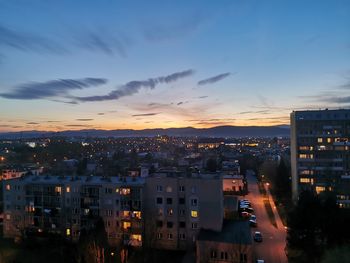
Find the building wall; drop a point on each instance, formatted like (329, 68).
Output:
(191, 208)
(320, 156)
(220, 252)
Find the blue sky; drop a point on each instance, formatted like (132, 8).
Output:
(146, 64)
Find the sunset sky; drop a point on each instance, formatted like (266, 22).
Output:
(68, 65)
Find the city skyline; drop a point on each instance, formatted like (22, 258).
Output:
(113, 65)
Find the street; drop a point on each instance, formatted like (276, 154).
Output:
(274, 239)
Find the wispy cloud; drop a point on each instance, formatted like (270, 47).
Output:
(202, 97)
(213, 79)
(182, 102)
(33, 123)
(28, 42)
(134, 87)
(101, 113)
(52, 88)
(146, 114)
(84, 119)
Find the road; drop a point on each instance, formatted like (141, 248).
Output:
(274, 239)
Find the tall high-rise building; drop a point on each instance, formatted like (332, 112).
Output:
(320, 156)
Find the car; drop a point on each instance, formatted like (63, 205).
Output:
(253, 217)
(247, 209)
(260, 261)
(244, 202)
(245, 214)
(258, 236)
(252, 223)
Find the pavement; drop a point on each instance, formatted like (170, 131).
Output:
(274, 239)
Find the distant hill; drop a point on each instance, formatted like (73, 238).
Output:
(219, 131)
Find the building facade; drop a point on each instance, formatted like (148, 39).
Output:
(179, 205)
(320, 156)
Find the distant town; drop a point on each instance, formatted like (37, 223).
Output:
(178, 199)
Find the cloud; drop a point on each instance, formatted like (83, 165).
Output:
(182, 102)
(250, 112)
(146, 114)
(105, 43)
(78, 125)
(84, 119)
(202, 97)
(33, 123)
(214, 79)
(134, 87)
(27, 42)
(52, 88)
(101, 113)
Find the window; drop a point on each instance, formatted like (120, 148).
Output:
(193, 189)
(194, 202)
(159, 223)
(182, 236)
(159, 200)
(223, 255)
(304, 180)
(320, 189)
(159, 235)
(243, 257)
(136, 237)
(117, 190)
(182, 212)
(181, 200)
(182, 188)
(125, 191)
(182, 224)
(194, 226)
(126, 225)
(194, 213)
(68, 189)
(68, 232)
(169, 224)
(159, 188)
(213, 253)
(170, 236)
(136, 214)
(108, 190)
(169, 201)
(169, 189)
(320, 140)
(170, 211)
(160, 212)
(58, 189)
(109, 212)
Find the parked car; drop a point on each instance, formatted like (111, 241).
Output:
(260, 261)
(258, 236)
(252, 221)
(245, 214)
(247, 209)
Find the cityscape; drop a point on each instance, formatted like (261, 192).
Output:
(174, 131)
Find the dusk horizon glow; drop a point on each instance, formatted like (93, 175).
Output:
(113, 65)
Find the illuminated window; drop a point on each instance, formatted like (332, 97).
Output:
(8, 187)
(136, 237)
(117, 190)
(170, 212)
(68, 189)
(124, 191)
(194, 213)
(58, 189)
(329, 140)
(160, 212)
(169, 189)
(320, 189)
(126, 225)
(306, 156)
(319, 140)
(136, 214)
(68, 232)
(304, 180)
(125, 213)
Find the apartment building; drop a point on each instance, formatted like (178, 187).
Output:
(67, 205)
(178, 205)
(320, 156)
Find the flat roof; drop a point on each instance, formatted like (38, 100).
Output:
(233, 232)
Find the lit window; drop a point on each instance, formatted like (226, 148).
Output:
(304, 180)
(8, 187)
(68, 189)
(170, 212)
(125, 191)
(136, 237)
(329, 140)
(194, 213)
(169, 189)
(136, 214)
(117, 190)
(68, 232)
(58, 189)
(126, 225)
(125, 213)
(319, 140)
(320, 189)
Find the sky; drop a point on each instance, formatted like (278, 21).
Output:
(68, 65)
